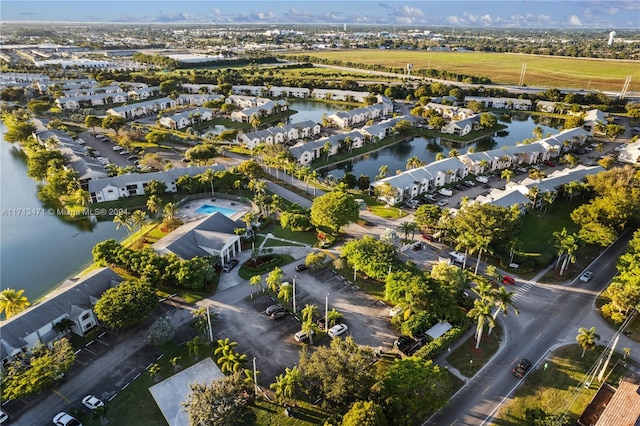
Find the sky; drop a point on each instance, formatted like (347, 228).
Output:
(601, 14)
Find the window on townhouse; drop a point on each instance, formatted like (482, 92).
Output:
(85, 317)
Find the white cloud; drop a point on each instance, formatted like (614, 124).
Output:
(575, 21)
(408, 11)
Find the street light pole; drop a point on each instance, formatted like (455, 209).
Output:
(326, 312)
(294, 294)
(255, 377)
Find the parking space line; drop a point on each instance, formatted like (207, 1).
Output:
(61, 395)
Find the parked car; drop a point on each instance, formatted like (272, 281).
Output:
(230, 265)
(302, 336)
(549, 163)
(3, 417)
(273, 308)
(125, 152)
(443, 203)
(117, 148)
(64, 419)
(586, 276)
(521, 369)
(430, 197)
(278, 314)
(301, 267)
(91, 402)
(469, 183)
(396, 310)
(458, 187)
(337, 330)
(428, 237)
(508, 280)
(417, 246)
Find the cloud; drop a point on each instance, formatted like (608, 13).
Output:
(408, 11)
(216, 12)
(574, 21)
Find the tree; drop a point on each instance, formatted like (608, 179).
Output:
(153, 204)
(194, 347)
(220, 403)
(92, 121)
(37, 370)
(126, 304)
(232, 362)
(255, 120)
(383, 172)
(287, 384)
(372, 257)
(503, 299)
(113, 122)
(386, 192)
(160, 332)
(427, 216)
(338, 373)
(414, 162)
(488, 120)
(138, 219)
(13, 302)
(506, 174)
(481, 313)
(274, 279)
(123, 218)
(408, 228)
(412, 388)
(364, 413)
(335, 209)
(587, 339)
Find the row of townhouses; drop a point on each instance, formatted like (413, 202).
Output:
(414, 182)
(280, 134)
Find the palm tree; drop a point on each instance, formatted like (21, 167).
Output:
(255, 121)
(123, 218)
(587, 339)
(406, 228)
(326, 148)
(503, 299)
(454, 153)
(533, 193)
(506, 175)
(414, 162)
(537, 132)
(153, 203)
(483, 165)
(12, 302)
(309, 312)
(138, 219)
(466, 241)
(383, 172)
(481, 312)
(274, 279)
(169, 211)
(547, 199)
(256, 280)
(286, 293)
(439, 156)
(232, 361)
(224, 345)
(481, 244)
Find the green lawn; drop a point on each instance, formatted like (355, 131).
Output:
(308, 237)
(538, 227)
(553, 389)
(469, 360)
(281, 259)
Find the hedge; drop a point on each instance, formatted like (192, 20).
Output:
(433, 348)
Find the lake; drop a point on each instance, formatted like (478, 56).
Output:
(313, 110)
(396, 156)
(38, 251)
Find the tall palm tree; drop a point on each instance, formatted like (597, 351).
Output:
(123, 218)
(138, 219)
(255, 121)
(12, 302)
(153, 204)
(326, 148)
(483, 165)
(587, 339)
(406, 228)
(309, 312)
(194, 346)
(537, 132)
(286, 293)
(169, 211)
(533, 193)
(466, 241)
(224, 345)
(481, 244)
(503, 299)
(481, 313)
(547, 198)
(274, 279)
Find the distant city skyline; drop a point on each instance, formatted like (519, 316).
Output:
(597, 14)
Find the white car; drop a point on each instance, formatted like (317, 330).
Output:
(64, 419)
(91, 402)
(3, 417)
(396, 310)
(337, 330)
(301, 336)
(586, 276)
(443, 203)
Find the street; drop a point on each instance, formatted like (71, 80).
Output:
(549, 316)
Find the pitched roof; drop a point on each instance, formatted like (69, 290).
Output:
(624, 407)
(190, 240)
(71, 298)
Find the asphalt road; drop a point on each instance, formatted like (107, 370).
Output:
(549, 316)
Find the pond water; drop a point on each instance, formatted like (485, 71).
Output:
(39, 251)
(396, 156)
(313, 110)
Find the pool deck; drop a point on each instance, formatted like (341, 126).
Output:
(187, 212)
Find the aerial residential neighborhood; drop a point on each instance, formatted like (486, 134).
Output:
(266, 216)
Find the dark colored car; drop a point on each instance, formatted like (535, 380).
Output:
(301, 267)
(278, 314)
(273, 308)
(521, 369)
(549, 163)
(230, 265)
(508, 280)
(428, 237)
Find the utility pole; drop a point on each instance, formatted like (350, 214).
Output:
(209, 323)
(326, 312)
(255, 377)
(294, 294)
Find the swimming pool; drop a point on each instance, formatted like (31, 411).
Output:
(209, 209)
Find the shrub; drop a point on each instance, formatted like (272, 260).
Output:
(160, 332)
(433, 348)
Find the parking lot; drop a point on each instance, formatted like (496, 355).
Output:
(271, 342)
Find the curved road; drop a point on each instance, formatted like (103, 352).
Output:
(550, 315)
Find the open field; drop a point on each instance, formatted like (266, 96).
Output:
(504, 68)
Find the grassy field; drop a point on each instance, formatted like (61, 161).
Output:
(504, 68)
(469, 360)
(558, 388)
